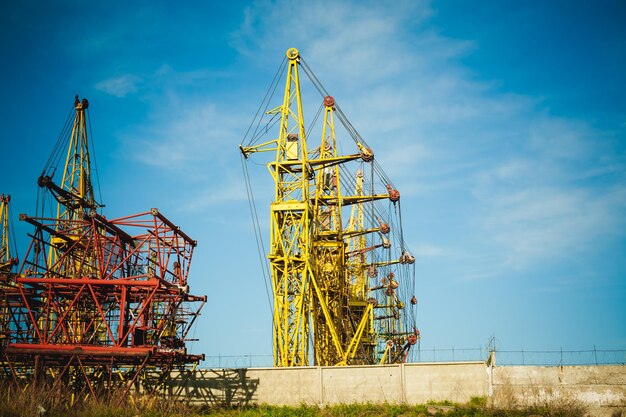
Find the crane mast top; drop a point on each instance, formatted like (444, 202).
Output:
(328, 239)
(75, 193)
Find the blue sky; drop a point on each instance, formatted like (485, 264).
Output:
(502, 124)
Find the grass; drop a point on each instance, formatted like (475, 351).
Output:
(39, 402)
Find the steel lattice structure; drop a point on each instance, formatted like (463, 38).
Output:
(98, 303)
(7, 264)
(333, 267)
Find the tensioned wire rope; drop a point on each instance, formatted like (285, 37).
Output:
(358, 139)
(256, 134)
(95, 160)
(53, 161)
(380, 172)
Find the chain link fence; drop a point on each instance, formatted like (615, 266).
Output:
(503, 357)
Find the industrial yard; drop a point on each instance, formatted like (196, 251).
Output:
(359, 219)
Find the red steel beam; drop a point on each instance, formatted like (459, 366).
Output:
(84, 350)
(150, 282)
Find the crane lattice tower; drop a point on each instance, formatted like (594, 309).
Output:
(328, 242)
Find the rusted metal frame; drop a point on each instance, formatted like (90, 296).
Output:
(99, 244)
(88, 248)
(113, 228)
(144, 305)
(90, 351)
(188, 264)
(122, 321)
(59, 377)
(53, 307)
(91, 337)
(42, 250)
(95, 298)
(130, 254)
(28, 250)
(109, 368)
(168, 313)
(14, 374)
(124, 220)
(66, 255)
(173, 227)
(30, 313)
(61, 321)
(118, 240)
(42, 226)
(152, 282)
(168, 255)
(184, 259)
(186, 255)
(128, 384)
(47, 307)
(155, 232)
(14, 315)
(117, 250)
(87, 379)
(160, 250)
(195, 316)
(46, 181)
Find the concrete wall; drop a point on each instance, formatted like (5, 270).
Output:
(602, 388)
(452, 381)
(393, 384)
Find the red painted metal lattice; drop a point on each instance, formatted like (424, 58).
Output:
(98, 306)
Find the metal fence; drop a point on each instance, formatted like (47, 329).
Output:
(561, 357)
(503, 357)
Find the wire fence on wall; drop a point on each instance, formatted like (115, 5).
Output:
(559, 357)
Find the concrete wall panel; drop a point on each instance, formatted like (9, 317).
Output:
(287, 386)
(361, 384)
(457, 382)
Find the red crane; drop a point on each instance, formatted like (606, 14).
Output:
(99, 305)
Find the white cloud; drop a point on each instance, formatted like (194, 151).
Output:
(533, 188)
(220, 194)
(185, 135)
(119, 86)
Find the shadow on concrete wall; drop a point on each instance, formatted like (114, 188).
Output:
(213, 387)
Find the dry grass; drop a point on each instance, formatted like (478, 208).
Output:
(39, 402)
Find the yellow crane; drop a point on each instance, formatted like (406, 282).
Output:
(323, 261)
(74, 194)
(7, 261)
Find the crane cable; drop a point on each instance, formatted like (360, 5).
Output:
(55, 155)
(257, 230)
(256, 134)
(266, 99)
(95, 161)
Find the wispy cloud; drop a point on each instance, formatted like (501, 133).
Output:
(119, 86)
(536, 188)
(187, 135)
